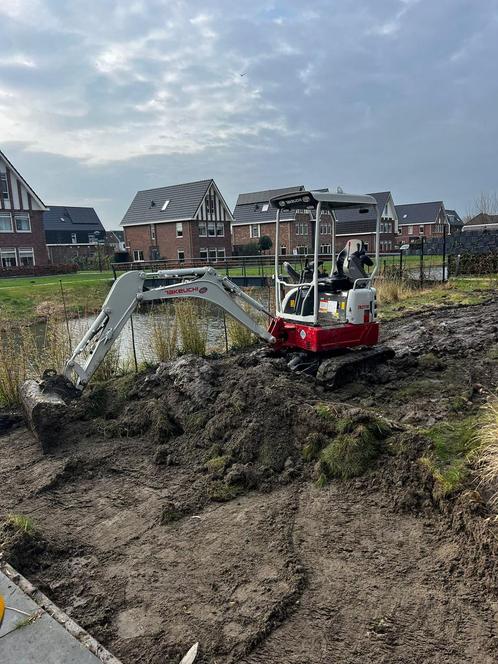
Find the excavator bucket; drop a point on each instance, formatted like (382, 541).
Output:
(45, 406)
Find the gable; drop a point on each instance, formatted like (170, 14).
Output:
(15, 192)
(213, 206)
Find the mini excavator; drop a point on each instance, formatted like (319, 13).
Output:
(316, 312)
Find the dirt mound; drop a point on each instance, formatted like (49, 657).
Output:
(231, 502)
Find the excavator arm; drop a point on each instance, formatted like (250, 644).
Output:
(128, 291)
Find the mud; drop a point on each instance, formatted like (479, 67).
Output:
(183, 505)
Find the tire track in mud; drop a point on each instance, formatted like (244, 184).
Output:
(379, 589)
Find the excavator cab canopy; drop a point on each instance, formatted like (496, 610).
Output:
(309, 200)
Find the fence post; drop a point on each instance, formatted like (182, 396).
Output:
(400, 263)
(421, 260)
(444, 253)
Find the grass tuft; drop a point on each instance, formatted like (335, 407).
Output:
(454, 448)
(488, 441)
(22, 523)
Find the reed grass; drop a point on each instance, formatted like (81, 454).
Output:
(164, 334)
(192, 321)
(390, 291)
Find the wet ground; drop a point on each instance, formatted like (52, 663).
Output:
(180, 507)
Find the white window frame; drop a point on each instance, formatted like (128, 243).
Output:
(152, 232)
(255, 230)
(8, 253)
(220, 253)
(7, 214)
(74, 238)
(202, 229)
(24, 216)
(181, 259)
(421, 230)
(265, 207)
(165, 205)
(283, 250)
(179, 229)
(203, 250)
(212, 253)
(91, 238)
(410, 230)
(26, 252)
(302, 250)
(210, 205)
(220, 226)
(325, 248)
(211, 226)
(138, 256)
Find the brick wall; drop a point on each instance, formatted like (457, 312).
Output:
(61, 254)
(34, 239)
(167, 244)
(291, 240)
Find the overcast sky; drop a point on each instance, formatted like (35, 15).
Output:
(99, 99)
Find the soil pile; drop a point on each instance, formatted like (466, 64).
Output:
(231, 502)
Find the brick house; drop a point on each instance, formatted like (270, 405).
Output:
(482, 222)
(73, 233)
(22, 240)
(255, 218)
(422, 219)
(352, 224)
(180, 222)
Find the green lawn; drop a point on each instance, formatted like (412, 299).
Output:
(27, 298)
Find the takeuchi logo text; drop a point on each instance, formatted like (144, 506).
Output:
(186, 290)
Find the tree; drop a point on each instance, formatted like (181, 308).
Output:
(265, 243)
(486, 204)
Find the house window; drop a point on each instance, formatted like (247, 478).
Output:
(325, 229)
(220, 229)
(165, 205)
(8, 257)
(26, 256)
(181, 255)
(221, 253)
(179, 229)
(210, 207)
(91, 239)
(73, 238)
(211, 229)
(203, 253)
(138, 255)
(283, 250)
(420, 230)
(202, 229)
(410, 230)
(22, 222)
(212, 254)
(255, 230)
(265, 207)
(152, 233)
(325, 248)
(301, 229)
(302, 249)
(4, 187)
(5, 223)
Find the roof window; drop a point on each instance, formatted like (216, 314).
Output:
(165, 205)
(265, 207)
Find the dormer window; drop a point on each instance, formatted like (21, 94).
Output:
(165, 205)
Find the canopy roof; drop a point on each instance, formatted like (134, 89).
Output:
(300, 200)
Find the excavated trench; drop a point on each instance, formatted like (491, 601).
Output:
(193, 503)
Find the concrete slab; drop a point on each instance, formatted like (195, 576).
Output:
(46, 635)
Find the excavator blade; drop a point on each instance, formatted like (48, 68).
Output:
(45, 406)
